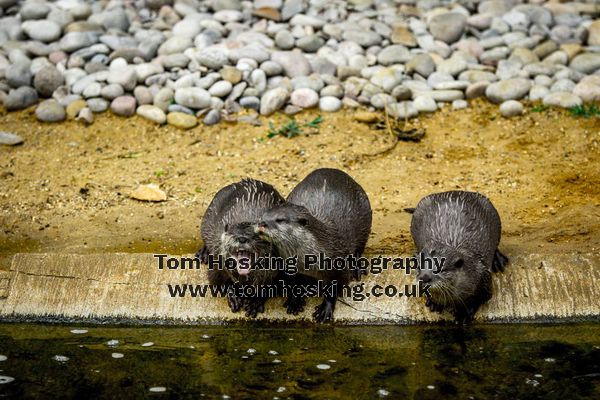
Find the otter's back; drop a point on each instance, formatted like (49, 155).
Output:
(337, 200)
(458, 219)
(243, 201)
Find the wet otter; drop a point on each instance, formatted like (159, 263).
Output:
(228, 229)
(464, 228)
(328, 213)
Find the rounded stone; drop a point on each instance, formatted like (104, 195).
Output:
(509, 89)
(123, 106)
(273, 100)
(284, 40)
(425, 103)
(304, 97)
(310, 43)
(212, 117)
(74, 107)
(562, 99)
(394, 54)
(42, 30)
(330, 104)
(20, 98)
(447, 27)
(163, 98)
(220, 89)
(97, 104)
(192, 97)
(152, 113)
(18, 74)
(181, 120)
(50, 111)
(47, 80)
(511, 108)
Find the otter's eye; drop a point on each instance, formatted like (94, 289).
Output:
(302, 221)
(459, 263)
(280, 220)
(226, 227)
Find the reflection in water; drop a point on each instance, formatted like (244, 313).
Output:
(301, 362)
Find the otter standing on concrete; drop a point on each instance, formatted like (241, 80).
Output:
(328, 213)
(464, 228)
(228, 229)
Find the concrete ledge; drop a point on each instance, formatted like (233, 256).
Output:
(130, 288)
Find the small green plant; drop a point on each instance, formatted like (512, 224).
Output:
(292, 129)
(539, 108)
(159, 173)
(582, 111)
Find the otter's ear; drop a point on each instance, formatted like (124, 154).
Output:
(303, 221)
(459, 263)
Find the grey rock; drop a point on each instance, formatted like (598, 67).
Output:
(310, 43)
(250, 102)
(212, 57)
(143, 95)
(271, 68)
(252, 51)
(586, 62)
(563, 85)
(394, 54)
(112, 91)
(422, 64)
(447, 27)
(220, 89)
(34, 10)
(291, 8)
(365, 38)
(424, 103)
(97, 105)
(92, 90)
(304, 97)
(18, 75)
(152, 113)
(176, 44)
(42, 30)
(538, 92)
(50, 111)
(382, 100)
(511, 108)
(77, 40)
(20, 98)
(212, 117)
(476, 89)
(273, 100)
(294, 63)
(163, 98)
(452, 66)
(123, 76)
(10, 139)
(47, 80)
(562, 99)
(330, 104)
(459, 104)
(510, 89)
(192, 97)
(284, 40)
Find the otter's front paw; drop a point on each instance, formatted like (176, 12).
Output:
(235, 303)
(294, 305)
(202, 255)
(433, 307)
(324, 312)
(254, 307)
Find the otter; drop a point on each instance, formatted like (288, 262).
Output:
(463, 228)
(229, 229)
(326, 213)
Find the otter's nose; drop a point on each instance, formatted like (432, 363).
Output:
(242, 239)
(425, 275)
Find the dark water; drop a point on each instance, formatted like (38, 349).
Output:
(431, 362)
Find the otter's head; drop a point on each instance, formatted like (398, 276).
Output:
(291, 228)
(458, 279)
(241, 242)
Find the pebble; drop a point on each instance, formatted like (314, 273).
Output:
(511, 108)
(112, 91)
(97, 105)
(123, 106)
(425, 103)
(562, 99)
(181, 120)
(586, 62)
(212, 117)
(20, 98)
(304, 97)
(459, 104)
(448, 27)
(212, 57)
(394, 54)
(47, 80)
(402, 110)
(74, 107)
(163, 98)
(192, 97)
(42, 30)
(330, 104)
(273, 100)
(10, 139)
(510, 89)
(220, 89)
(85, 115)
(50, 111)
(294, 63)
(152, 113)
(149, 192)
(18, 75)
